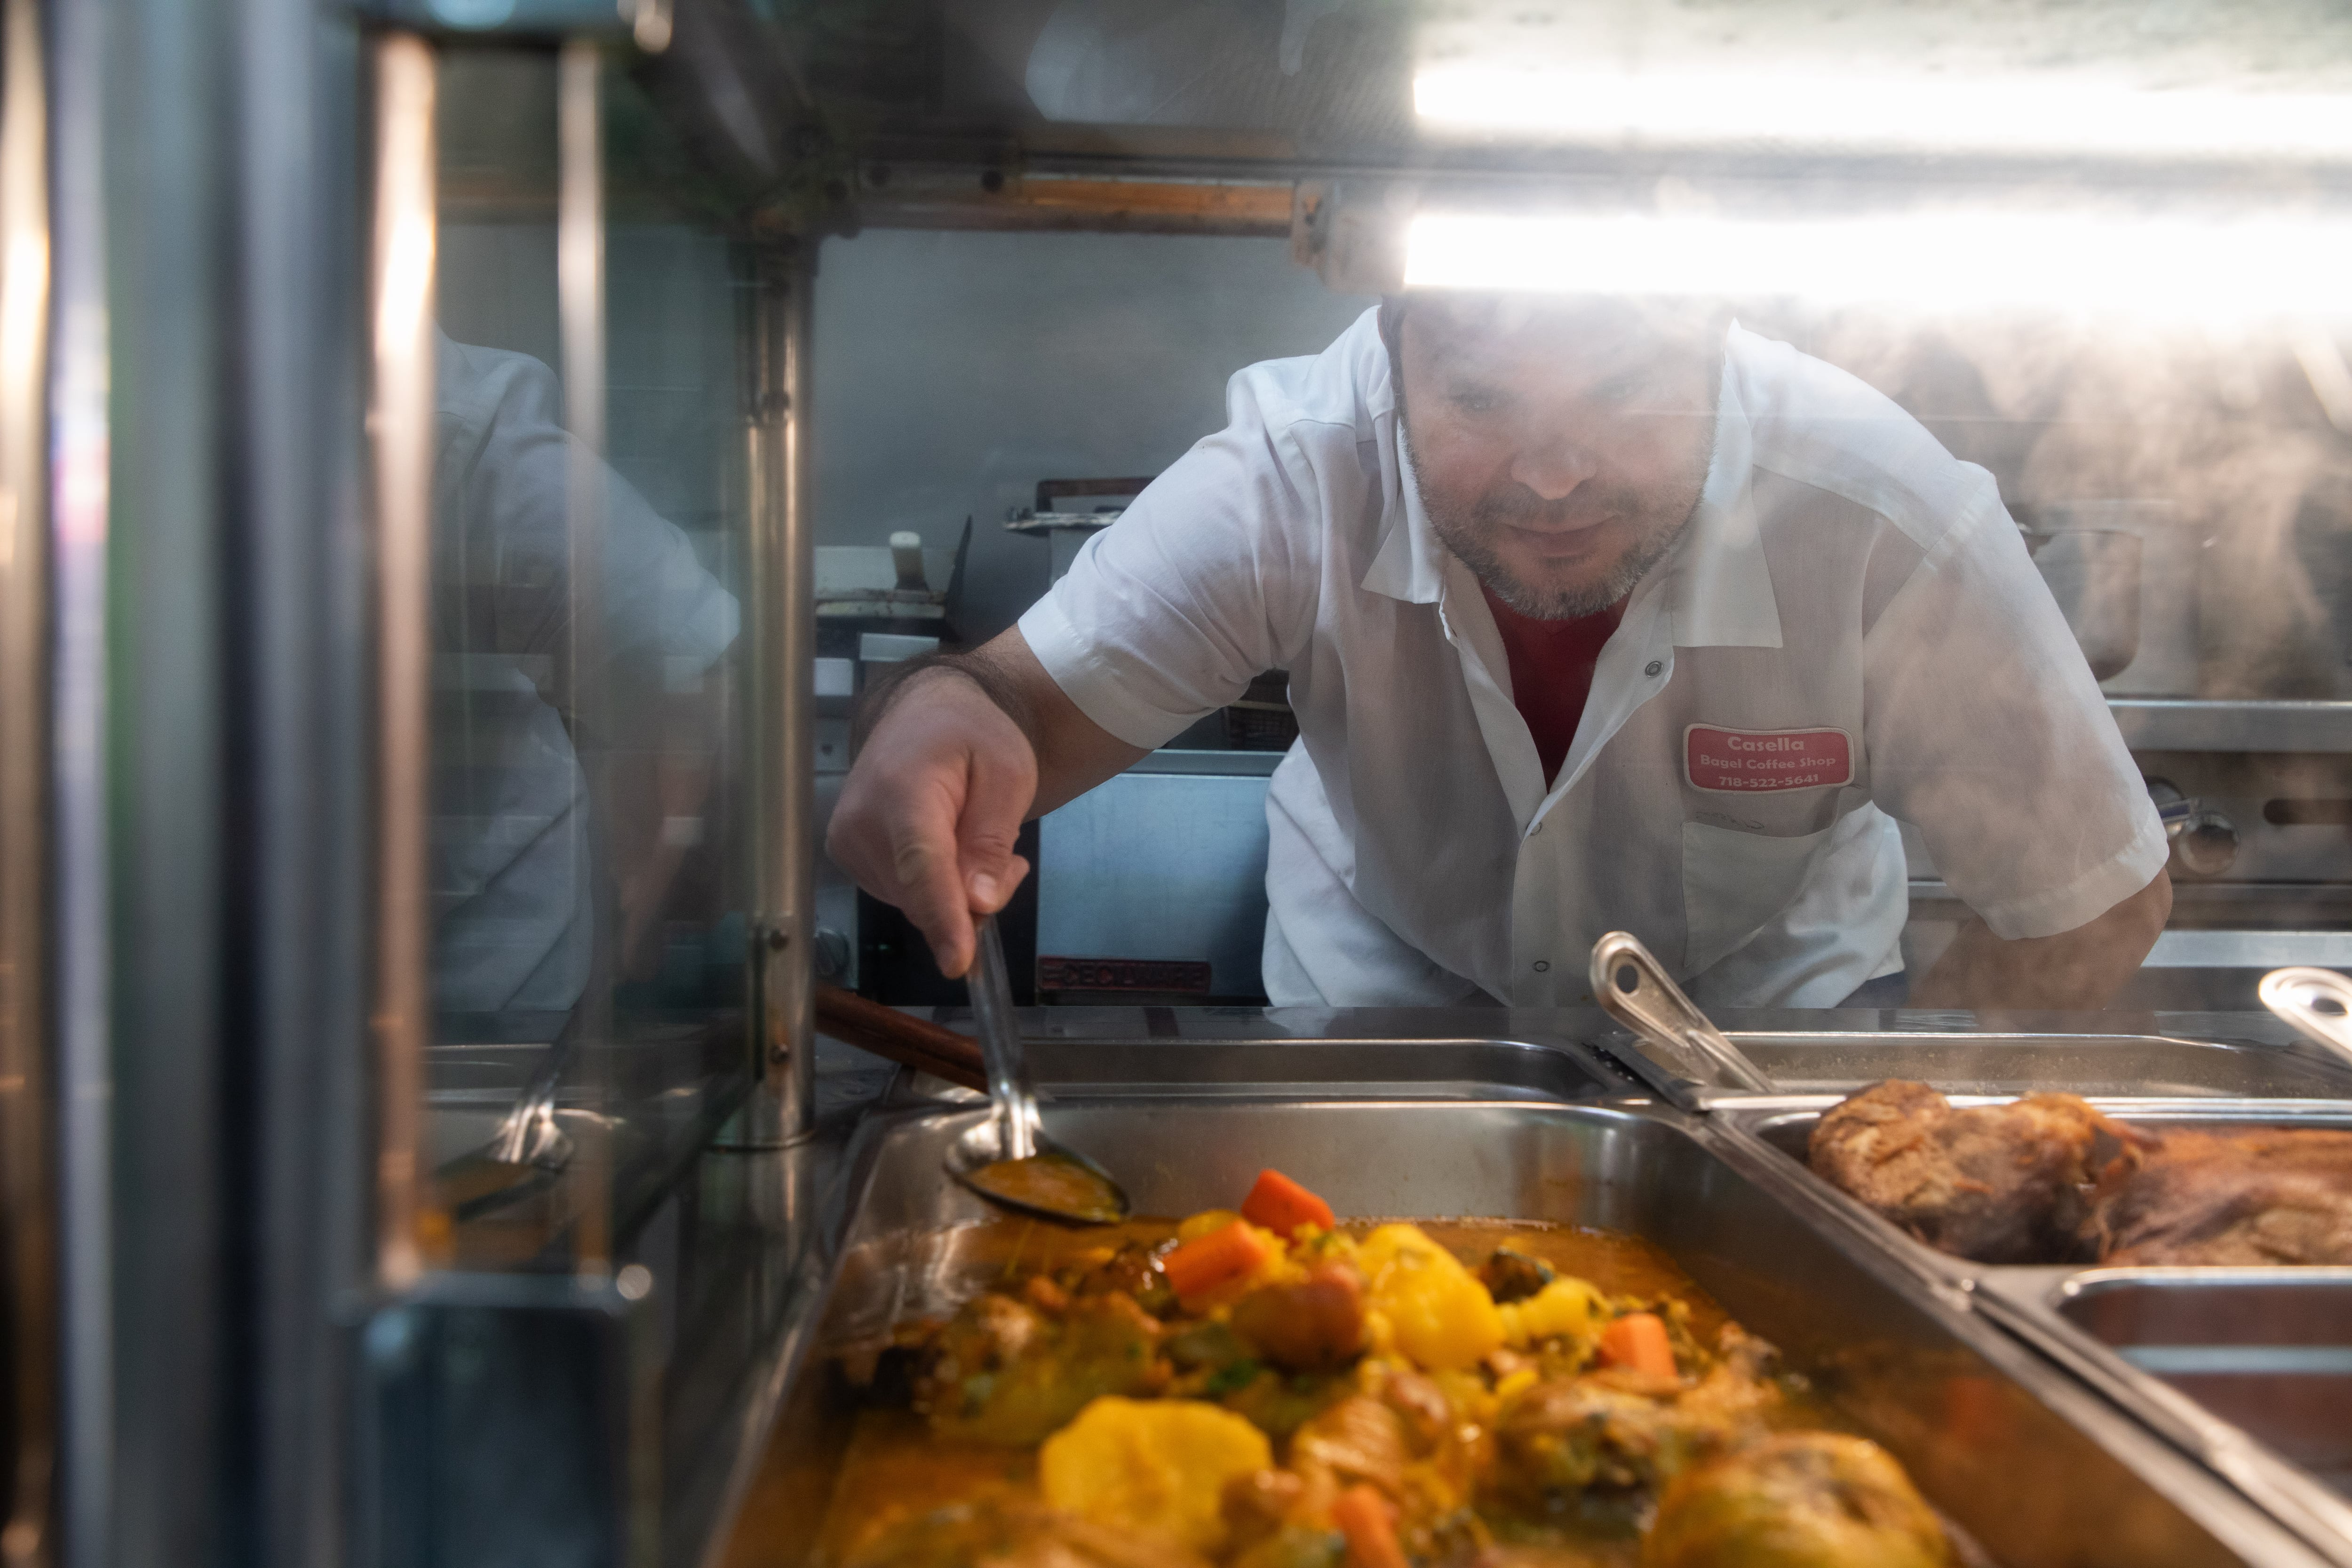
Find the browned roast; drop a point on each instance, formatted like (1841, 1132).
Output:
(2273, 1195)
(1999, 1183)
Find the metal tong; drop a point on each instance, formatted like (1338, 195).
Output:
(2298, 994)
(1676, 1052)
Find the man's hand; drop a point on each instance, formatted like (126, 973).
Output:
(929, 812)
(962, 753)
(2080, 968)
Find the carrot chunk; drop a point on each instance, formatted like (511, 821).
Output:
(1205, 1263)
(1369, 1525)
(1638, 1340)
(1282, 1205)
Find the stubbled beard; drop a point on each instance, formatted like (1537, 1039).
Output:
(1468, 532)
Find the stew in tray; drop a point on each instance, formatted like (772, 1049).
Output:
(1273, 1388)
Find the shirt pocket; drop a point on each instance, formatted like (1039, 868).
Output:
(1734, 884)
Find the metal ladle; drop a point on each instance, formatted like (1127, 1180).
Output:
(1008, 1159)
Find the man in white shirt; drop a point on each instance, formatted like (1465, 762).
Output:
(1597, 616)
(515, 858)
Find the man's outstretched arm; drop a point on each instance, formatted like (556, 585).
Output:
(2080, 968)
(953, 755)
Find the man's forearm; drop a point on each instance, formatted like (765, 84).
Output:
(2077, 968)
(883, 692)
(1074, 753)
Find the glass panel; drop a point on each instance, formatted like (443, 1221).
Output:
(590, 848)
(1701, 284)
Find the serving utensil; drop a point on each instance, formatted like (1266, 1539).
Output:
(1685, 1055)
(2317, 1001)
(894, 1036)
(1008, 1159)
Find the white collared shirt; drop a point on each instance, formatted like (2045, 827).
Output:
(510, 857)
(1849, 633)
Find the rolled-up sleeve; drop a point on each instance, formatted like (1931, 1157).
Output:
(1207, 581)
(1988, 733)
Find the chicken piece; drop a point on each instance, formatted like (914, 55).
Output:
(1800, 1499)
(1422, 1407)
(2270, 1196)
(1259, 1504)
(1314, 1324)
(1570, 1434)
(1608, 1430)
(1999, 1184)
(1001, 1374)
(1133, 1270)
(988, 1334)
(1358, 1439)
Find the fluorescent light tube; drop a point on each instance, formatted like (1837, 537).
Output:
(2177, 266)
(1798, 111)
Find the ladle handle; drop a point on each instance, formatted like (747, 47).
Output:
(990, 984)
(1635, 989)
(2292, 995)
(890, 1034)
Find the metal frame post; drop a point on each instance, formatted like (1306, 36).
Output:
(400, 421)
(27, 1194)
(783, 585)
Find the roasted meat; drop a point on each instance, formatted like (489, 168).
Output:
(2260, 1196)
(1999, 1183)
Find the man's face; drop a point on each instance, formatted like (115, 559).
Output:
(1560, 450)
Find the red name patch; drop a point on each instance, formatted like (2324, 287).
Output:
(1745, 761)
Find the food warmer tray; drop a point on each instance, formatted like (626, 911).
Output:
(2247, 1370)
(2030, 1464)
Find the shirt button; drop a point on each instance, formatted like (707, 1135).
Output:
(1541, 966)
(1653, 667)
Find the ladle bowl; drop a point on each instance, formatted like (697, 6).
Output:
(1008, 1159)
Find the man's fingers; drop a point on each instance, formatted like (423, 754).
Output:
(990, 892)
(924, 860)
(998, 790)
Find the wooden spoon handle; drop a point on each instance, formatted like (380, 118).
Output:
(911, 1042)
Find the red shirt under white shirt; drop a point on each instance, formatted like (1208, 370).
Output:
(1551, 671)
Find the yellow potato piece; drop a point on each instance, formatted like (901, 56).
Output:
(1156, 1465)
(1438, 1315)
(1567, 1309)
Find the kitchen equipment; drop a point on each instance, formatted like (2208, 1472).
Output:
(2094, 575)
(2318, 1001)
(2054, 1309)
(1009, 1161)
(2031, 1465)
(2261, 796)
